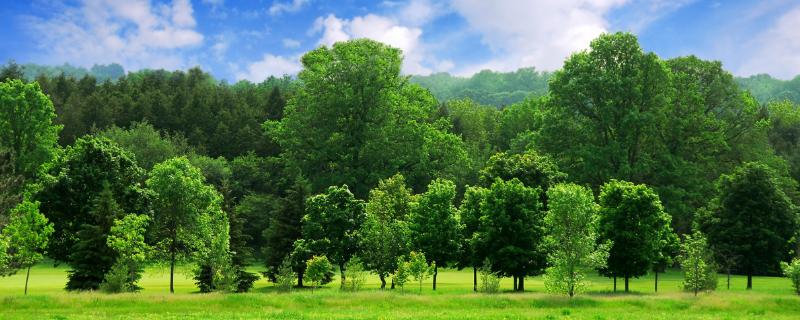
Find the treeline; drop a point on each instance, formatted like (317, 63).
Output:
(354, 165)
(768, 89)
(487, 87)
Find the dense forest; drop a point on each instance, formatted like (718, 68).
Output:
(354, 162)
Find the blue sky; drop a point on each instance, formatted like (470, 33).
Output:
(253, 39)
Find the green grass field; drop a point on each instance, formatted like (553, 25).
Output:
(771, 298)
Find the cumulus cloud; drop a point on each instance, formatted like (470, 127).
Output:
(524, 33)
(775, 51)
(383, 29)
(270, 65)
(133, 33)
(278, 8)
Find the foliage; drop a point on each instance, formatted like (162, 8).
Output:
(402, 273)
(26, 235)
(149, 145)
(634, 222)
(127, 239)
(487, 87)
(26, 126)
(572, 224)
(418, 267)
(11, 186)
(317, 269)
(511, 230)
(284, 277)
(435, 229)
(792, 271)
(118, 279)
(356, 275)
(490, 281)
(700, 273)
(751, 218)
(285, 228)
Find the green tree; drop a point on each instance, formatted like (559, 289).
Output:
(186, 212)
(471, 213)
(285, 277)
(212, 252)
(317, 269)
(435, 228)
(401, 274)
(26, 126)
(385, 234)
(28, 233)
(511, 233)
(127, 239)
(699, 271)
(751, 218)
(81, 193)
(633, 220)
(572, 224)
(418, 267)
(792, 271)
(331, 223)
(149, 145)
(285, 228)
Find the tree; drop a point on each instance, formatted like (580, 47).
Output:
(81, 193)
(28, 233)
(435, 228)
(384, 236)
(471, 213)
(699, 271)
(186, 212)
(512, 232)
(792, 271)
(26, 126)
(572, 224)
(670, 245)
(331, 224)
(212, 252)
(149, 145)
(285, 276)
(127, 239)
(401, 274)
(634, 246)
(285, 228)
(317, 269)
(751, 218)
(418, 267)
(11, 185)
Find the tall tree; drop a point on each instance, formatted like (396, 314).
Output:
(751, 218)
(184, 211)
(28, 233)
(331, 223)
(572, 224)
(26, 126)
(470, 210)
(511, 233)
(285, 227)
(435, 227)
(633, 220)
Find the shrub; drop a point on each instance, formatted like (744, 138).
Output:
(792, 271)
(400, 276)
(317, 268)
(117, 279)
(356, 276)
(490, 282)
(698, 267)
(284, 278)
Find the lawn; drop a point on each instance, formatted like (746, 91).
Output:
(771, 298)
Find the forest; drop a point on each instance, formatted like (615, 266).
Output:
(620, 164)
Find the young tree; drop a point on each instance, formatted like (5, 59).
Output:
(28, 233)
(418, 267)
(384, 236)
(792, 271)
(331, 223)
(435, 228)
(212, 252)
(572, 223)
(285, 276)
(26, 126)
(633, 220)
(127, 239)
(699, 271)
(317, 269)
(184, 211)
(751, 218)
(512, 232)
(401, 274)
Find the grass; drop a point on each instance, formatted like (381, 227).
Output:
(771, 298)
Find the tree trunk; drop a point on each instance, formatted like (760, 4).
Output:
(435, 273)
(521, 284)
(729, 279)
(299, 279)
(749, 281)
(172, 268)
(626, 284)
(515, 283)
(383, 281)
(27, 276)
(656, 281)
(475, 278)
(615, 283)
(392, 283)
(344, 277)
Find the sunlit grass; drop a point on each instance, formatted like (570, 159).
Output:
(771, 298)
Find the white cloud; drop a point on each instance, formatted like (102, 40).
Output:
(290, 43)
(420, 12)
(280, 7)
(383, 29)
(534, 33)
(269, 65)
(133, 33)
(775, 51)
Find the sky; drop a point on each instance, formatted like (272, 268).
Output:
(253, 39)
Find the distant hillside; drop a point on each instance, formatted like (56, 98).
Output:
(100, 72)
(766, 88)
(487, 87)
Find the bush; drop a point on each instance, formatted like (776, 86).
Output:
(116, 279)
(284, 278)
(700, 273)
(401, 275)
(490, 282)
(356, 276)
(317, 269)
(792, 271)
(244, 280)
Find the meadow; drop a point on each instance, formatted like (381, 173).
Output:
(771, 298)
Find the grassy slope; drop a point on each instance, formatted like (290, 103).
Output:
(772, 298)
